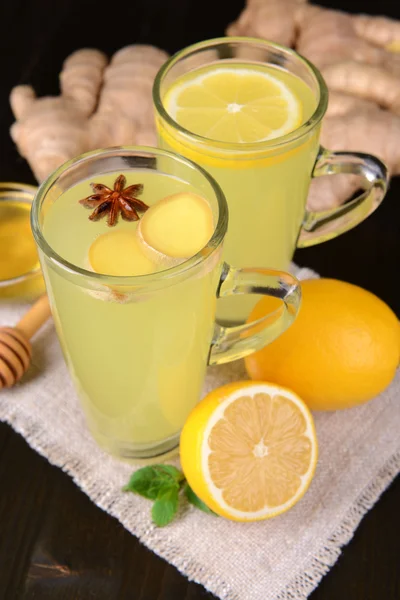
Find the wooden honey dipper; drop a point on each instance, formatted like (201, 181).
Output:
(15, 348)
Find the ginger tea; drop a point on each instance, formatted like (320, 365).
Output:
(137, 359)
(235, 114)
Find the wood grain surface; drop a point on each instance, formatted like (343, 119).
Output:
(54, 543)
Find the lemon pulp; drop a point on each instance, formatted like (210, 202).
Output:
(249, 450)
(234, 104)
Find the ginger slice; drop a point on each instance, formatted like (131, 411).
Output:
(176, 228)
(119, 253)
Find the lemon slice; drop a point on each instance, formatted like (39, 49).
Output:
(249, 450)
(232, 104)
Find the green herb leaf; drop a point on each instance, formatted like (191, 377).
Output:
(195, 500)
(144, 483)
(166, 506)
(162, 483)
(148, 481)
(171, 471)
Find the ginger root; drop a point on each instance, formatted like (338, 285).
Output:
(125, 110)
(100, 105)
(51, 130)
(105, 105)
(359, 58)
(275, 20)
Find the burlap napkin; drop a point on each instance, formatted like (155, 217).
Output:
(280, 559)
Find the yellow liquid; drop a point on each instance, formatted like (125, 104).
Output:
(266, 189)
(17, 250)
(137, 360)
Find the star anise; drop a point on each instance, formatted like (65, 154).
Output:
(118, 200)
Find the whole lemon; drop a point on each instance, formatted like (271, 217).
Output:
(342, 350)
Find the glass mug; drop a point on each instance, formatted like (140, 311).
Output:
(138, 365)
(266, 183)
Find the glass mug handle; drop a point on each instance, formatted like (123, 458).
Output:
(319, 226)
(231, 343)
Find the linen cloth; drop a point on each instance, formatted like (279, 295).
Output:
(280, 559)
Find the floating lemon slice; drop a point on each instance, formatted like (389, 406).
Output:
(236, 105)
(249, 450)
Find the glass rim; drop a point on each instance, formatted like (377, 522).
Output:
(242, 147)
(131, 280)
(25, 193)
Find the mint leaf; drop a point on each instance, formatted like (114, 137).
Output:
(170, 471)
(144, 483)
(162, 483)
(148, 481)
(166, 506)
(195, 500)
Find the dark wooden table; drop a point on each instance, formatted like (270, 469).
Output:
(54, 543)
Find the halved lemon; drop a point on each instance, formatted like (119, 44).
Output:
(249, 450)
(234, 104)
